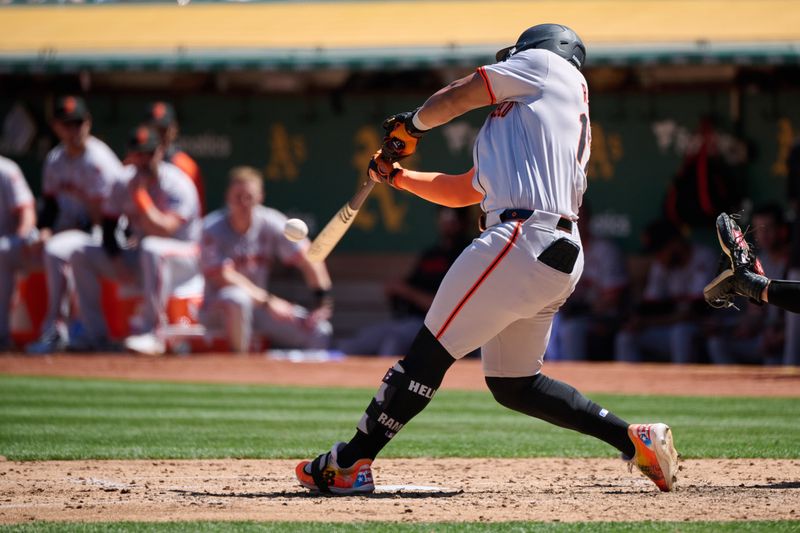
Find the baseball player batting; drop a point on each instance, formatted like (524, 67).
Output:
(502, 292)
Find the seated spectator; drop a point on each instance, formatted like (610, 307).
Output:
(756, 334)
(589, 319)
(17, 231)
(411, 297)
(160, 244)
(664, 326)
(240, 243)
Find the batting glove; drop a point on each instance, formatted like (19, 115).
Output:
(382, 171)
(402, 136)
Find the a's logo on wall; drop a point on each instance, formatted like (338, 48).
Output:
(286, 154)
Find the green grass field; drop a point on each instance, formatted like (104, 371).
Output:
(55, 418)
(60, 418)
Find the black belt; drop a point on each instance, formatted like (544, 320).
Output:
(564, 224)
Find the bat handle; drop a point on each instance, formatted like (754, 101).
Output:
(360, 196)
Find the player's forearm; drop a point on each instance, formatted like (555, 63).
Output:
(315, 275)
(26, 220)
(450, 190)
(230, 276)
(454, 100)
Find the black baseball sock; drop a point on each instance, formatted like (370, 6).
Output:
(561, 404)
(406, 389)
(785, 294)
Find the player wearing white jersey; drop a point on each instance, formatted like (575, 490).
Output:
(77, 177)
(17, 230)
(240, 244)
(502, 292)
(160, 249)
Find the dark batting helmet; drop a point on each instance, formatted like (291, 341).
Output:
(554, 37)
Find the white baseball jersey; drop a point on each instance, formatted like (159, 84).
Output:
(14, 194)
(532, 151)
(75, 181)
(251, 253)
(502, 292)
(172, 192)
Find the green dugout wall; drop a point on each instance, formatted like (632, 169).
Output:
(313, 150)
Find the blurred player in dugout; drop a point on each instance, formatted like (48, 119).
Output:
(151, 230)
(17, 232)
(77, 178)
(161, 116)
(240, 244)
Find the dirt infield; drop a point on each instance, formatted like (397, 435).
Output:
(366, 372)
(468, 490)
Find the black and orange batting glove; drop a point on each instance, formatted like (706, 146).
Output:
(401, 136)
(382, 171)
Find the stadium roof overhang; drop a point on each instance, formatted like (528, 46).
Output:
(387, 35)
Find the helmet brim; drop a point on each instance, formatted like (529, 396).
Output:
(502, 54)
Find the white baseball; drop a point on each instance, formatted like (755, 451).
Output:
(183, 2)
(295, 230)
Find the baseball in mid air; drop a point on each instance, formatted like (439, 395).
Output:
(295, 230)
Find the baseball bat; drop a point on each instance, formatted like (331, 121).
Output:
(335, 229)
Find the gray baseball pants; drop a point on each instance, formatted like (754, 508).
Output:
(12, 260)
(232, 309)
(158, 265)
(56, 259)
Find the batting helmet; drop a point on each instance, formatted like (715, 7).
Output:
(554, 37)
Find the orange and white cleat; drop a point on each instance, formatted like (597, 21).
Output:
(323, 474)
(655, 453)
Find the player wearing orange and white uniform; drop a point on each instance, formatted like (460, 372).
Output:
(241, 243)
(502, 292)
(77, 178)
(17, 229)
(159, 249)
(161, 116)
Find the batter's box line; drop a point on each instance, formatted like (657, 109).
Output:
(302, 494)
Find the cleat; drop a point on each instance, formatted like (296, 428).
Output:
(52, 340)
(323, 474)
(146, 344)
(655, 455)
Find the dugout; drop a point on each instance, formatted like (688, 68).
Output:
(298, 89)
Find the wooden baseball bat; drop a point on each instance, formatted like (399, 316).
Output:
(335, 229)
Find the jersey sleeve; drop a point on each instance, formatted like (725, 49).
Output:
(182, 198)
(521, 76)
(18, 191)
(114, 204)
(211, 257)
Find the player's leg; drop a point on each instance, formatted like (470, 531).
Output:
(296, 333)
(516, 382)
(166, 264)
(9, 252)
(56, 256)
(233, 309)
(89, 264)
(464, 314)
